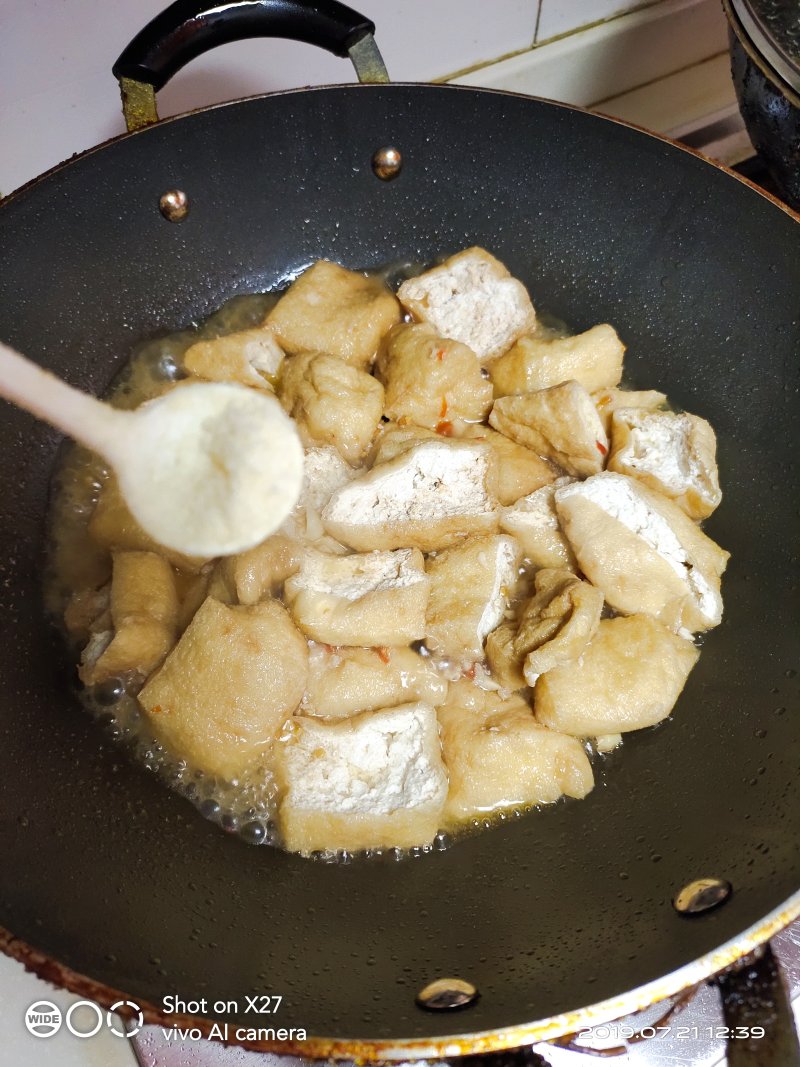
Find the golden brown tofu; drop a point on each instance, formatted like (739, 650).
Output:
(629, 677)
(675, 454)
(334, 310)
(430, 380)
(534, 523)
(346, 681)
(113, 526)
(332, 403)
(472, 298)
(370, 598)
(143, 583)
(260, 571)
(431, 496)
(139, 644)
(499, 757)
(560, 423)
(515, 471)
(607, 401)
(227, 687)
(643, 551)
(375, 780)
(593, 358)
(471, 586)
(501, 655)
(251, 357)
(557, 623)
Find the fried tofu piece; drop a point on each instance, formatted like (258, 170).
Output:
(557, 623)
(372, 598)
(471, 586)
(143, 583)
(431, 496)
(375, 780)
(472, 298)
(674, 454)
(227, 687)
(324, 471)
(251, 357)
(332, 403)
(534, 523)
(593, 358)
(643, 551)
(140, 644)
(629, 677)
(143, 617)
(113, 527)
(346, 681)
(430, 380)
(334, 310)
(260, 571)
(501, 655)
(607, 401)
(515, 470)
(499, 757)
(560, 423)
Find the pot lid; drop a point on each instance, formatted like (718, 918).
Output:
(773, 27)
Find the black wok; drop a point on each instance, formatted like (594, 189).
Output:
(109, 882)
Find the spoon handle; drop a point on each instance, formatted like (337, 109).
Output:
(88, 420)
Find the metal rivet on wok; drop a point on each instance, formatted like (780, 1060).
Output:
(447, 994)
(702, 895)
(387, 163)
(174, 205)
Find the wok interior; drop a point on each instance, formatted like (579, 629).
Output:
(121, 880)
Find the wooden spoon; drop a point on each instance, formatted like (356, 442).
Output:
(208, 469)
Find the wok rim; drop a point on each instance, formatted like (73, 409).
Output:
(681, 979)
(460, 1044)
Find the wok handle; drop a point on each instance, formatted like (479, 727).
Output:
(754, 995)
(188, 28)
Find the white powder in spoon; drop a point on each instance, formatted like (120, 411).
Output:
(210, 469)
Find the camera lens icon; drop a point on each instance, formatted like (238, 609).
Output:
(43, 1019)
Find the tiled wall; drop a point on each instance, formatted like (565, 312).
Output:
(58, 96)
(563, 16)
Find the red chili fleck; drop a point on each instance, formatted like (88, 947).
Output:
(601, 448)
(443, 409)
(440, 354)
(383, 653)
(328, 648)
(470, 672)
(445, 428)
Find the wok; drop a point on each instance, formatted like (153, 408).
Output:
(111, 883)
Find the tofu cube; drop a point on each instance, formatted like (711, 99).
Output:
(373, 598)
(642, 551)
(332, 403)
(471, 586)
(324, 471)
(534, 523)
(260, 571)
(345, 681)
(499, 757)
(334, 310)
(225, 690)
(630, 676)
(251, 357)
(557, 623)
(607, 401)
(431, 496)
(515, 470)
(430, 380)
(143, 584)
(472, 298)
(593, 358)
(674, 454)
(375, 780)
(560, 423)
(137, 646)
